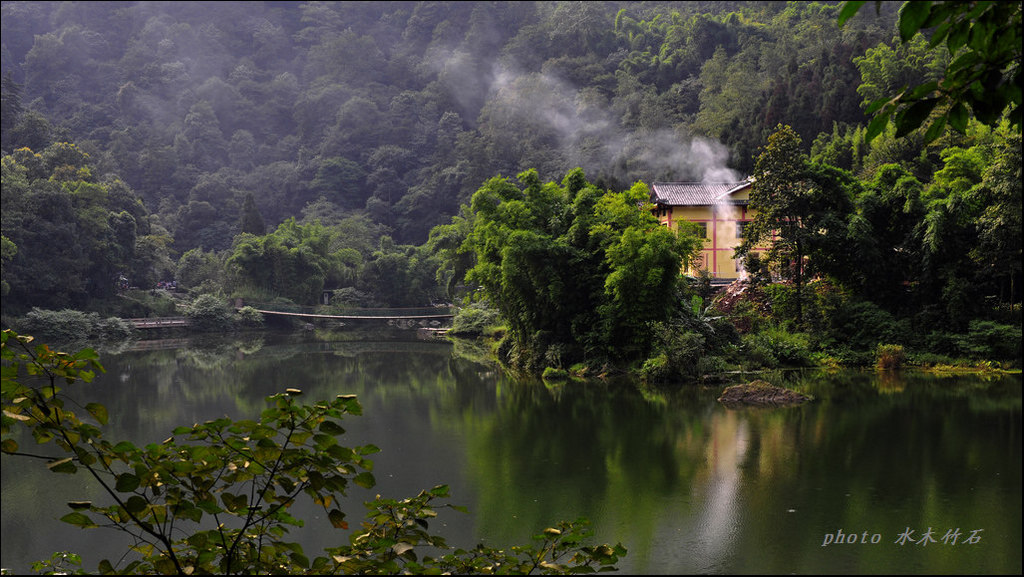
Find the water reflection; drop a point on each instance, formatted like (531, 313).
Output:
(687, 485)
(718, 520)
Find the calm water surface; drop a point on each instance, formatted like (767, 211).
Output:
(685, 484)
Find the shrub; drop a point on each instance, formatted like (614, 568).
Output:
(655, 368)
(249, 317)
(677, 353)
(209, 313)
(475, 319)
(991, 340)
(888, 357)
(68, 326)
(861, 325)
(776, 347)
(783, 300)
(553, 374)
(351, 297)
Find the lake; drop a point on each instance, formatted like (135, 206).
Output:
(905, 473)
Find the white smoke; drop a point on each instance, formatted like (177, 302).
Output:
(586, 129)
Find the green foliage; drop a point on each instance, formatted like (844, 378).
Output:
(249, 317)
(574, 269)
(475, 319)
(776, 347)
(60, 563)
(200, 271)
(209, 312)
(554, 374)
(295, 261)
(68, 237)
(991, 341)
(889, 357)
(70, 326)
(982, 79)
(802, 210)
(214, 497)
(251, 221)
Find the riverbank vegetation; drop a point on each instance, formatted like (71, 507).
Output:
(488, 156)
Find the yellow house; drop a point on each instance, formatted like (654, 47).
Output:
(719, 208)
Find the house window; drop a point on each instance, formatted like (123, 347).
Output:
(702, 230)
(740, 225)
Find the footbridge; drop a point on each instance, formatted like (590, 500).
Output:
(393, 315)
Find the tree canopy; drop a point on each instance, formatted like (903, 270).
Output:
(577, 272)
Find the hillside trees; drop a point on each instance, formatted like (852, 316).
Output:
(73, 235)
(941, 250)
(299, 260)
(295, 261)
(291, 102)
(578, 273)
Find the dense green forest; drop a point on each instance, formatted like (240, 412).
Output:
(274, 150)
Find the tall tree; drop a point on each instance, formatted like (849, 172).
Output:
(799, 209)
(250, 220)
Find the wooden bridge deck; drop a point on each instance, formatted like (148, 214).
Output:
(171, 322)
(159, 323)
(359, 317)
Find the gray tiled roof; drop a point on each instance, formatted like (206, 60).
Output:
(693, 193)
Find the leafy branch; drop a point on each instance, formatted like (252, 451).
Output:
(241, 477)
(983, 78)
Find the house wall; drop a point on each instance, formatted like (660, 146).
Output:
(721, 222)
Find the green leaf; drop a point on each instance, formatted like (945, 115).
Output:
(369, 449)
(338, 519)
(958, 117)
(197, 540)
(876, 126)
(62, 466)
(209, 506)
(99, 412)
(877, 105)
(913, 15)
(848, 11)
(9, 446)
(921, 91)
(234, 502)
(331, 428)
(124, 447)
(364, 480)
(127, 482)
(940, 34)
(191, 513)
(78, 519)
(936, 129)
(135, 504)
(165, 566)
(957, 38)
(912, 117)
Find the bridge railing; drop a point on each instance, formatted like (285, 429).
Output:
(156, 323)
(388, 312)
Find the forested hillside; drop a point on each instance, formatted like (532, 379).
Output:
(277, 149)
(390, 114)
